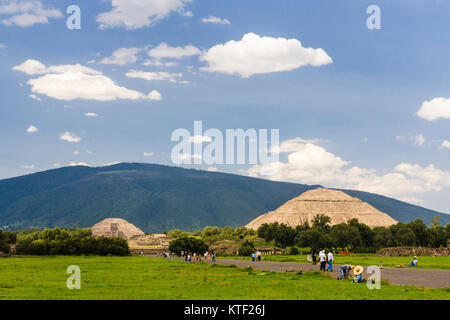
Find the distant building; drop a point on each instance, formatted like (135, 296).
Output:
(116, 227)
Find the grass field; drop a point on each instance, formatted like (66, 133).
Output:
(364, 260)
(153, 278)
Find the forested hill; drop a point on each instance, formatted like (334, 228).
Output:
(156, 197)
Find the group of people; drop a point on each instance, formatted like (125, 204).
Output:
(207, 256)
(256, 256)
(324, 259)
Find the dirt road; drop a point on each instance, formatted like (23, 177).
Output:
(430, 278)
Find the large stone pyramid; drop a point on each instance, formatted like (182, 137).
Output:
(339, 206)
(116, 227)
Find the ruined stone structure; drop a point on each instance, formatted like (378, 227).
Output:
(116, 227)
(339, 206)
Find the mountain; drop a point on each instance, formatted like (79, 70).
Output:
(156, 197)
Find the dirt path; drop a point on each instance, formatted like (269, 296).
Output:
(430, 278)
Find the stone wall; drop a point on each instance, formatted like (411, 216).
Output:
(411, 251)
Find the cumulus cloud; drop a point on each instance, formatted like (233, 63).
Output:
(26, 13)
(435, 109)
(172, 77)
(122, 56)
(256, 55)
(32, 129)
(148, 154)
(90, 114)
(216, 20)
(31, 67)
(313, 164)
(445, 144)
(28, 166)
(155, 95)
(69, 137)
(136, 14)
(70, 82)
(165, 51)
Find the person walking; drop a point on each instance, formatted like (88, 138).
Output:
(322, 260)
(258, 254)
(314, 257)
(330, 261)
(253, 257)
(213, 257)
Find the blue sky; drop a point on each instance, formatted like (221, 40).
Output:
(349, 123)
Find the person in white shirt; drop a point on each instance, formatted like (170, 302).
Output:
(323, 260)
(330, 261)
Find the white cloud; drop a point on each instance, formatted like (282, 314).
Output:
(76, 164)
(69, 137)
(57, 165)
(216, 20)
(159, 63)
(435, 109)
(148, 154)
(88, 152)
(32, 129)
(313, 164)
(419, 140)
(165, 51)
(445, 144)
(122, 56)
(172, 77)
(136, 14)
(256, 55)
(155, 95)
(2, 45)
(198, 139)
(76, 153)
(70, 82)
(31, 67)
(35, 97)
(28, 167)
(26, 13)
(90, 114)
(365, 139)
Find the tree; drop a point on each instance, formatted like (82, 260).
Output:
(322, 221)
(437, 236)
(420, 231)
(246, 249)
(366, 234)
(314, 238)
(284, 235)
(188, 244)
(405, 237)
(382, 237)
(344, 235)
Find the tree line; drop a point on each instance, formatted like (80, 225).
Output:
(355, 236)
(59, 241)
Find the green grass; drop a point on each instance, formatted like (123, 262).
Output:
(147, 278)
(364, 260)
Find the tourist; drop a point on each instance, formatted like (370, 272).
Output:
(330, 261)
(206, 256)
(414, 262)
(213, 257)
(258, 254)
(253, 257)
(322, 260)
(189, 259)
(314, 258)
(344, 271)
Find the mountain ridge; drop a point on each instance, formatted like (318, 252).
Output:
(157, 197)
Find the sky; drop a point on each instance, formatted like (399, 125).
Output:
(358, 105)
